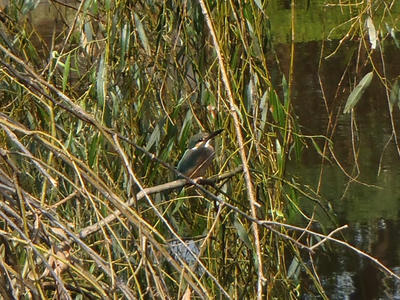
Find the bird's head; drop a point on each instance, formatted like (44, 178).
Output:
(202, 139)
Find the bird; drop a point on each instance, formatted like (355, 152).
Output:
(199, 155)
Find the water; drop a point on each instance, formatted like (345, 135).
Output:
(370, 207)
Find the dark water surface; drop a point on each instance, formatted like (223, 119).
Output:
(371, 206)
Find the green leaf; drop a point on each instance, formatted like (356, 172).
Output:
(29, 5)
(107, 5)
(393, 35)
(100, 84)
(125, 34)
(142, 34)
(69, 140)
(395, 95)
(66, 72)
(93, 150)
(264, 111)
(186, 126)
(356, 94)
(285, 87)
(276, 108)
(248, 99)
(154, 138)
(294, 268)
(243, 235)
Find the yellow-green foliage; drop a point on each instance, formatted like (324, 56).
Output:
(91, 107)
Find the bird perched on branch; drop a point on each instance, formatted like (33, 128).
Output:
(199, 155)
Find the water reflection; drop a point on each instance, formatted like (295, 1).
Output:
(371, 209)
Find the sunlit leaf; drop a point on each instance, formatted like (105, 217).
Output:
(100, 84)
(359, 90)
(249, 96)
(279, 154)
(124, 42)
(371, 32)
(259, 4)
(250, 27)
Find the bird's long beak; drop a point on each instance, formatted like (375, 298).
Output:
(212, 135)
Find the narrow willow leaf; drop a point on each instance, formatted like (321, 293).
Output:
(186, 126)
(356, 94)
(264, 110)
(318, 149)
(285, 87)
(66, 72)
(250, 27)
(259, 4)
(371, 32)
(248, 99)
(88, 33)
(70, 140)
(279, 154)
(94, 7)
(100, 84)
(393, 35)
(29, 5)
(235, 57)
(142, 34)
(168, 150)
(107, 115)
(124, 42)
(107, 5)
(276, 108)
(154, 138)
(243, 235)
(32, 121)
(294, 268)
(93, 149)
(297, 146)
(395, 95)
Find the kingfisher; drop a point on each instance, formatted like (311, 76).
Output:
(199, 155)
